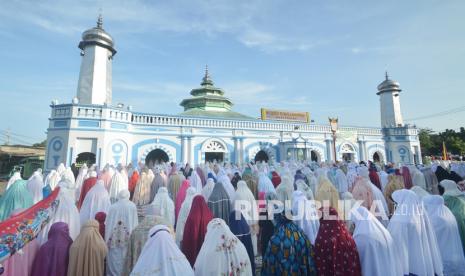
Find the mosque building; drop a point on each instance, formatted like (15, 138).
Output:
(91, 128)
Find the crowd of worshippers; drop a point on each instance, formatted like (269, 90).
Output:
(179, 220)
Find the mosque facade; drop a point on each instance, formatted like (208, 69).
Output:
(91, 128)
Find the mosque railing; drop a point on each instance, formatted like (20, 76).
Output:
(103, 112)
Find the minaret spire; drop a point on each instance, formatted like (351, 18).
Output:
(206, 78)
(100, 21)
(386, 74)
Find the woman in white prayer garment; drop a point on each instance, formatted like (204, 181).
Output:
(223, 178)
(244, 194)
(447, 234)
(34, 185)
(161, 256)
(16, 176)
(80, 180)
(119, 182)
(184, 213)
(196, 182)
(375, 246)
(222, 253)
(163, 206)
(414, 236)
(121, 220)
(305, 215)
(96, 200)
(66, 212)
(208, 189)
(52, 179)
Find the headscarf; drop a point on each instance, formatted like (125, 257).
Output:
(441, 174)
(412, 232)
(241, 229)
(285, 189)
(375, 246)
(374, 178)
(159, 181)
(100, 217)
(184, 213)
(195, 228)
(335, 250)
(196, 182)
(88, 251)
(447, 234)
(395, 183)
(251, 180)
(119, 182)
(456, 203)
(208, 189)
(327, 192)
(222, 253)
(419, 179)
(88, 184)
(35, 185)
(219, 202)
(66, 212)
(122, 213)
(17, 196)
(133, 179)
(97, 200)
(275, 179)
(264, 184)
(289, 251)
(13, 178)
(143, 186)
(201, 174)
(181, 196)
(138, 239)
(160, 255)
(163, 206)
(305, 189)
(342, 185)
(305, 215)
(53, 256)
(362, 191)
(80, 180)
(407, 177)
(175, 182)
(223, 178)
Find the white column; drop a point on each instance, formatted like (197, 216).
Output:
(183, 150)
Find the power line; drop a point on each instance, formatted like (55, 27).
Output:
(439, 114)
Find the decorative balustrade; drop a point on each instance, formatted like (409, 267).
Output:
(137, 118)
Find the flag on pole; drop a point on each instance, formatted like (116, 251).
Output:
(444, 151)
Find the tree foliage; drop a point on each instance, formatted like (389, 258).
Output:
(431, 142)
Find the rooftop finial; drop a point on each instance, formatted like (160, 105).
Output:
(206, 72)
(100, 21)
(206, 78)
(387, 76)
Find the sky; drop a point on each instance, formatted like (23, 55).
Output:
(324, 57)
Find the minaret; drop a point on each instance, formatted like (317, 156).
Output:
(94, 85)
(388, 92)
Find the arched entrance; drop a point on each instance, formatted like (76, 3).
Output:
(156, 156)
(214, 151)
(376, 157)
(87, 158)
(314, 156)
(261, 156)
(348, 152)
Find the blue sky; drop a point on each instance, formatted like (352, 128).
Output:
(325, 57)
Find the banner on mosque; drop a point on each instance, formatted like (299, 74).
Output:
(19, 230)
(283, 115)
(347, 135)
